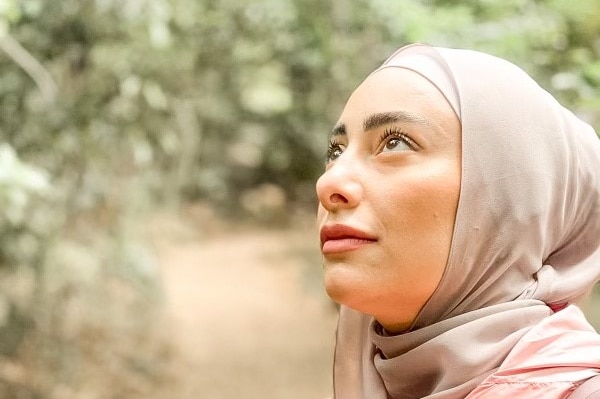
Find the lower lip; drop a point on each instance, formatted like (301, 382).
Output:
(344, 245)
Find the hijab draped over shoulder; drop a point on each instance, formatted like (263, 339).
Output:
(526, 238)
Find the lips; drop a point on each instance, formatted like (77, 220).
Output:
(341, 238)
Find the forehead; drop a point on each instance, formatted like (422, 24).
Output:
(397, 90)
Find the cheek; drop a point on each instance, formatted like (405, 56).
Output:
(321, 213)
(421, 207)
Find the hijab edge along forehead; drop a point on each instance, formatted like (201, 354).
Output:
(521, 156)
(428, 63)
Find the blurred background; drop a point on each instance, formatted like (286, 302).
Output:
(157, 163)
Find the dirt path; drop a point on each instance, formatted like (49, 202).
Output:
(246, 311)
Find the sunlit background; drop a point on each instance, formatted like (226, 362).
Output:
(157, 162)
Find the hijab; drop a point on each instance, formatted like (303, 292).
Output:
(526, 238)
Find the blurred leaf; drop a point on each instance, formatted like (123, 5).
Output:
(264, 90)
(18, 182)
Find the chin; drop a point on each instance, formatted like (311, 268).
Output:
(355, 288)
(346, 286)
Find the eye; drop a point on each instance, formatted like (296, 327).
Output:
(334, 151)
(394, 140)
(395, 144)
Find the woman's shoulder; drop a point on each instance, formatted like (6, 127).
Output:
(549, 361)
(565, 339)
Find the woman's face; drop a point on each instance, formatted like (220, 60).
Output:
(389, 195)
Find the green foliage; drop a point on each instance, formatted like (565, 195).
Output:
(221, 97)
(17, 183)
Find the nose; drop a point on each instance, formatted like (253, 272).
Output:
(339, 187)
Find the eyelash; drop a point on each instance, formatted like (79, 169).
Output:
(333, 145)
(388, 133)
(396, 133)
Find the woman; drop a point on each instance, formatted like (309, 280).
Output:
(460, 223)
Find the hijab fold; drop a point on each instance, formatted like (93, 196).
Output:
(527, 235)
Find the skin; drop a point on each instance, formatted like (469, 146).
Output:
(401, 190)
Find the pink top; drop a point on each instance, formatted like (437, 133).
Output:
(549, 361)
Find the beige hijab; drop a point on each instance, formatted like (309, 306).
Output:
(527, 235)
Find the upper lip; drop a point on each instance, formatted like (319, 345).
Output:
(340, 231)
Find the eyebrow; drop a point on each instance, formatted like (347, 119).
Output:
(338, 130)
(383, 118)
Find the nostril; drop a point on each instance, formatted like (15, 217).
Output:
(338, 198)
